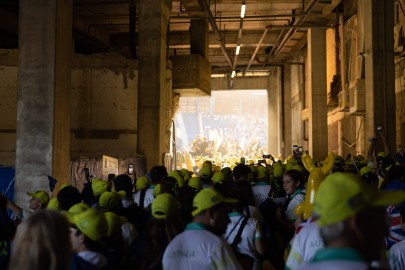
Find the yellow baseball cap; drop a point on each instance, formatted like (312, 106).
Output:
(208, 198)
(342, 195)
(218, 177)
(156, 190)
(40, 195)
(178, 176)
(53, 204)
(381, 154)
(91, 223)
(186, 174)
(164, 206)
(78, 208)
(114, 223)
(195, 182)
(109, 200)
(142, 183)
(261, 172)
(207, 164)
(99, 186)
(277, 169)
(74, 210)
(298, 168)
(205, 172)
(365, 170)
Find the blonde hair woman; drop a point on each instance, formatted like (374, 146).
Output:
(42, 243)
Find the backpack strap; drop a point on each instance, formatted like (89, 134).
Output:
(142, 198)
(234, 227)
(238, 238)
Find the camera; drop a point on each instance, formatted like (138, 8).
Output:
(267, 156)
(261, 161)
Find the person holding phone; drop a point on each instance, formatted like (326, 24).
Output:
(376, 162)
(39, 200)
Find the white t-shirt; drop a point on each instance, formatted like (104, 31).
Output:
(96, 259)
(304, 245)
(260, 192)
(251, 232)
(199, 249)
(396, 256)
(296, 200)
(254, 213)
(148, 197)
(128, 233)
(25, 214)
(335, 259)
(335, 265)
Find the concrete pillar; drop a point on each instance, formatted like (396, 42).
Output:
(273, 113)
(199, 41)
(379, 69)
(154, 18)
(318, 128)
(43, 108)
(286, 110)
(348, 130)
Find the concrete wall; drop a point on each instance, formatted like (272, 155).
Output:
(343, 129)
(273, 93)
(297, 97)
(8, 106)
(103, 106)
(399, 47)
(400, 101)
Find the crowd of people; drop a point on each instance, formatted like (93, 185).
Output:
(246, 217)
(226, 138)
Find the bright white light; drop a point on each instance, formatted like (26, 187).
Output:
(237, 50)
(233, 74)
(242, 11)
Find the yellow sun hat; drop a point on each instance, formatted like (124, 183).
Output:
(164, 206)
(208, 198)
(342, 195)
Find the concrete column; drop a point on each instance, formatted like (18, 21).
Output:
(379, 69)
(199, 41)
(318, 128)
(43, 107)
(286, 110)
(347, 129)
(273, 115)
(154, 18)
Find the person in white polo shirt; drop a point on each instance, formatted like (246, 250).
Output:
(201, 246)
(351, 223)
(262, 187)
(304, 244)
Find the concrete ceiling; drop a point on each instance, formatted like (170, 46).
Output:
(103, 26)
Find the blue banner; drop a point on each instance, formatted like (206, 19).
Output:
(7, 179)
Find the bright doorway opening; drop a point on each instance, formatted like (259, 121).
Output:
(223, 128)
